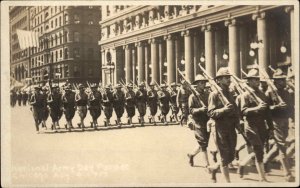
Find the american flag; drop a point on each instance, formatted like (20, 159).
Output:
(28, 39)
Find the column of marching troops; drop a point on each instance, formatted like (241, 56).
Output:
(258, 108)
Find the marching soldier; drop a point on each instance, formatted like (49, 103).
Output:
(173, 102)
(141, 99)
(281, 106)
(152, 102)
(182, 102)
(225, 117)
(19, 97)
(36, 101)
(24, 98)
(198, 110)
(13, 98)
(54, 103)
(94, 104)
(255, 111)
(45, 110)
(68, 100)
(130, 103)
(107, 98)
(164, 99)
(81, 99)
(119, 103)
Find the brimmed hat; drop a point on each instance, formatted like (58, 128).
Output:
(130, 85)
(68, 87)
(279, 74)
(118, 86)
(37, 87)
(198, 78)
(107, 86)
(142, 84)
(163, 85)
(45, 88)
(253, 73)
(223, 71)
(54, 86)
(80, 86)
(290, 73)
(152, 84)
(174, 84)
(94, 85)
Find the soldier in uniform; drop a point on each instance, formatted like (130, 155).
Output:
(182, 102)
(225, 118)
(36, 101)
(19, 97)
(199, 115)
(24, 98)
(13, 98)
(81, 99)
(164, 99)
(94, 104)
(255, 111)
(68, 100)
(130, 103)
(119, 103)
(141, 99)
(280, 109)
(54, 103)
(173, 102)
(45, 110)
(152, 102)
(107, 98)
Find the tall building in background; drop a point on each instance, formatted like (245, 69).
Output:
(151, 42)
(19, 59)
(68, 47)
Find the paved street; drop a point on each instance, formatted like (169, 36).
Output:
(150, 155)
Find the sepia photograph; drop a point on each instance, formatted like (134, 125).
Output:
(150, 93)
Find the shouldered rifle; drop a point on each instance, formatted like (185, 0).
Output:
(224, 100)
(158, 87)
(271, 85)
(192, 89)
(249, 89)
(90, 91)
(289, 83)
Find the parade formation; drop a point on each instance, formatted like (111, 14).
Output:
(259, 108)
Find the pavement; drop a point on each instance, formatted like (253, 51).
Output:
(140, 156)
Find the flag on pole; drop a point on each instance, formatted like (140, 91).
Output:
(28, 39)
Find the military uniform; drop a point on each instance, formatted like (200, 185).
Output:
(81, 99)
(55, 103)
(68, 100)
(19, 98)
(255, 114)
(164, 99)
(107, 98)
(94, 104)
(152, 102)
(200, 118)
(141, 99)
(182, 103)
(36, 101)
(225, 119)
(173, 101)
(130, 103)
(280, 114)
(119, 103)
(24, 98)
(45, 110)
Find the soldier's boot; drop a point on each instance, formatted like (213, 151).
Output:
(243, 163)
(261, 171)
(82, 124)
(108, 122)
(37, 127)
(142, 121)
(159, 117)
(165, 120)
(181, 120)
(95, 124)
(119, 122)
(176, 118)
(44, 124)
(214, 155)
(204, 156)
(286, 169)
(236, 155)
(153, 120)
(225, 172)
(54, 126)
(213, 171)
(79, 125)
(66, 126)
(191, 159)
(171, 118)
(69, 125)
(57, 124)
(92, 124)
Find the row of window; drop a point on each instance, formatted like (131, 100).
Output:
(20, 55)
(19, 24)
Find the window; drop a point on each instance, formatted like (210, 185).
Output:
(76, 52)
(60, 21)
(66, 53)
(41, 30)
(56, 41)
(90, 22)
(46, 15)
(51, 23)
(66, 18)
(56, 55)
(60, 38)
(76, 19)
(60, 53)
(66, 36)
(90, 7)
(66, 71)
(55, 22)
(76, 36)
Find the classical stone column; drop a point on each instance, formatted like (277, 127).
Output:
(140, 61)
(146, 49)
(171, 63)
(161, 59)
(290, 10)
(263, 52)
(234, 49)
(128, 63)
(244, 48)
(103, 64)
(154, 60)
(177, 55)
(134, 65)
(210, 65)
(196, 52)
(188, 55)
